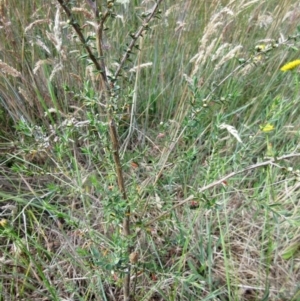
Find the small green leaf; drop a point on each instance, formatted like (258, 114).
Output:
(291, 250)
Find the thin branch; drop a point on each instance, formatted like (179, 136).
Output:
(77, 29)
(220, 181)
(121, 185)
(135, 36)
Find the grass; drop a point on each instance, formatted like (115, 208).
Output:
(214, 197)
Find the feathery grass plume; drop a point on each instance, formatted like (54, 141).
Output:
(290, 66)
(9, 70)
(172, 9)
(54, 35)
(58, 67)
(232, 130)
(36, 22)
(84, 11)
(40, 43)
(217, 21)
(26, 96)
(244, 5)
(89, 73)
(228, 56)
(264, 21)
(57, 30)
(220, 51)
(145, 65)
(40, 63)
(77, 77)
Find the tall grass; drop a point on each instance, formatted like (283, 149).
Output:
(191, 107)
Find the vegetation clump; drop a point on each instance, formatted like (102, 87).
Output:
(149, 150)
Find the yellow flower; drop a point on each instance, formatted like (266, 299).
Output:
(3, 222)
(290, 66)
(267, 128)
(260, 48)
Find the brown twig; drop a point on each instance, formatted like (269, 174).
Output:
(77, 29)
(121, 185)
(220, 181)
(135, 38)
